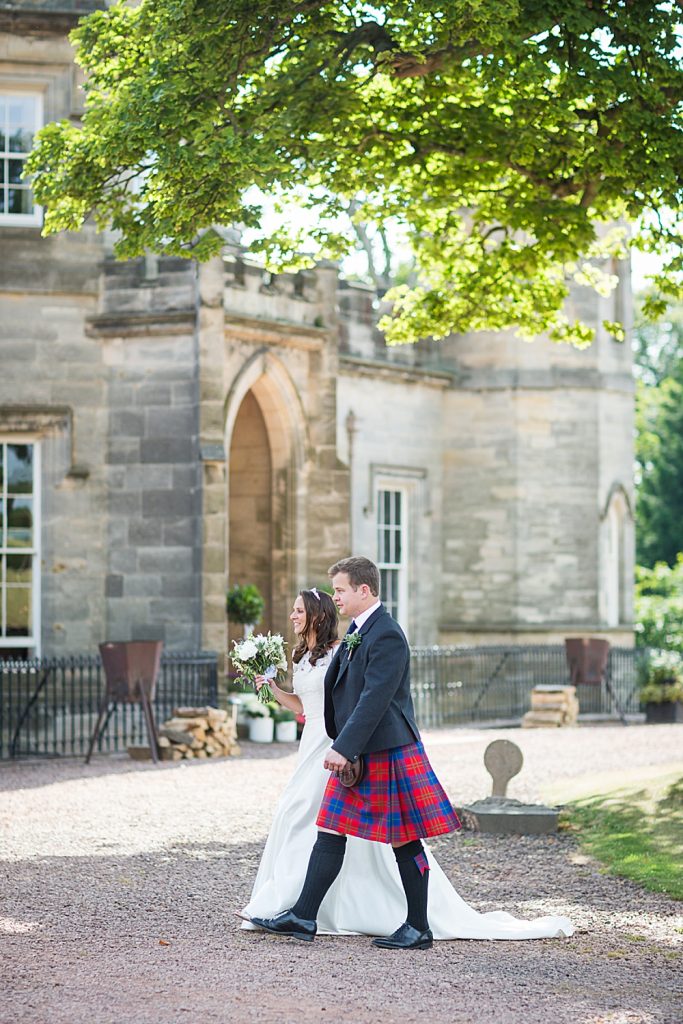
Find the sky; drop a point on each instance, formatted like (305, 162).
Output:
(642, 264)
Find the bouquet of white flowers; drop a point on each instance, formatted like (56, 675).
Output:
(259, 655)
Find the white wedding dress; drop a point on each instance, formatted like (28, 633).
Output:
(367, 897)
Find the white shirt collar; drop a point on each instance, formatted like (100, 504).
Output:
(364, 616)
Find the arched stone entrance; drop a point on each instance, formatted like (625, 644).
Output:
(251, 506)
(265, 438)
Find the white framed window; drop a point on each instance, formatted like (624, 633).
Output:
(392, 548)
(19, 548)
(21, 115)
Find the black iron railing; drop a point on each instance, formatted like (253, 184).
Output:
(455, 685)
(49, 706)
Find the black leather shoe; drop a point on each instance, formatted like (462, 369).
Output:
(406, 937)
(288, 923)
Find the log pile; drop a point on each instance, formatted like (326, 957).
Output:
(198, 732)
(552, 707)
(194, 732)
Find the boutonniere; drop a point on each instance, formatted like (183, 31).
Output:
(351, 641)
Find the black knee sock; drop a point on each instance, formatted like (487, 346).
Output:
(414, 871)
(327, 857)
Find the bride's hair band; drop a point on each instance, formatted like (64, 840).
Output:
(315, 593)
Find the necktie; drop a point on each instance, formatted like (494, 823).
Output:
(352, 628)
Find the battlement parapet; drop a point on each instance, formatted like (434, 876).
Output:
(152, 284)
(298, 298)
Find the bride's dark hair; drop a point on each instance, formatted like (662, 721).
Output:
(321, 620)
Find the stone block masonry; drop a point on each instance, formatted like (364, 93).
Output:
(156, 495)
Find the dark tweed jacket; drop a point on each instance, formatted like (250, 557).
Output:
(368, 706)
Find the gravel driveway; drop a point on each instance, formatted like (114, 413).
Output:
(119, 879)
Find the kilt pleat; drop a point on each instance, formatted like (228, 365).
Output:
(398, 800)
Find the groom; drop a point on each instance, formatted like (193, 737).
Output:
(399, 800)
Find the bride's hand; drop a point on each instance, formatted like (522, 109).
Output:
(259, 681)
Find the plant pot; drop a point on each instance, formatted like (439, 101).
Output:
(665, 713)
(261, 730)
(285, 732)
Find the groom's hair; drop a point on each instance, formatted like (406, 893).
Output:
(359, 570)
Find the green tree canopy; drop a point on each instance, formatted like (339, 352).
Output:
(658, 346)
(659, 606)
(504, 138)
(659, 441)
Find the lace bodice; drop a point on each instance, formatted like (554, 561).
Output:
(308, 684)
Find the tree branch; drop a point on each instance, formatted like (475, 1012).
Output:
(407, 65)
(381, 281)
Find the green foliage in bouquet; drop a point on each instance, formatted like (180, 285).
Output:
(244, 604)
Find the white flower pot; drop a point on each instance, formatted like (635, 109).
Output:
(261, 730)
(285, 732)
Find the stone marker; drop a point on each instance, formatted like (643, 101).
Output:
(500, 814)
(503, 760)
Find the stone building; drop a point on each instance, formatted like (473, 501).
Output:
(167, 429)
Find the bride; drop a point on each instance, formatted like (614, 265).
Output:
(368, 896)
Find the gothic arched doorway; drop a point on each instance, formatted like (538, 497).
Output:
(265, 435)
(251, 506)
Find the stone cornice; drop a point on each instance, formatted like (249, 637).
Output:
(570, 379)
(395, 371)
(135, 325)
(276, 332)
(41, 420)
(58, 18)
(570, 628)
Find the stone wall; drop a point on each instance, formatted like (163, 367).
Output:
(549, 433)
(146, 332)
(510, 452)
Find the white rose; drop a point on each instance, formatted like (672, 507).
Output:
(246, 650)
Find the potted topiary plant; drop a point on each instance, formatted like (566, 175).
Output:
(285, 725)
(662, 693)
(245, 604)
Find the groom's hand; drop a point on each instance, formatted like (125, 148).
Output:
(334, 762)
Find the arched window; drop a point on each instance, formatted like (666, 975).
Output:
(617, 528)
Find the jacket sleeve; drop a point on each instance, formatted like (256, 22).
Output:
(386, 666)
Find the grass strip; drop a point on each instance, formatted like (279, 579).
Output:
(636, 832)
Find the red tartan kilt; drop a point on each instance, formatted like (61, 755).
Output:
(399, 799)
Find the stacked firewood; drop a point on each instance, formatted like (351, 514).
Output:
(198, 732)
(552, 706)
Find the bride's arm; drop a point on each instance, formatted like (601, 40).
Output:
(288, 700)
